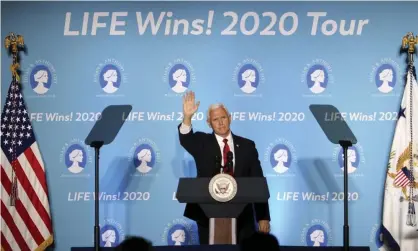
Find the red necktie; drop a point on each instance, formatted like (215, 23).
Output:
(225, 152)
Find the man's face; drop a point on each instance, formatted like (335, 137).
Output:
(220, 121)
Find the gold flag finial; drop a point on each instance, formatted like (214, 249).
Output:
(409, 42)
(13, 43)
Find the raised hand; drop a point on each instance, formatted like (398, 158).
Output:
(189, 106)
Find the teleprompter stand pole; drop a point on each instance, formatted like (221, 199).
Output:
(345, 144)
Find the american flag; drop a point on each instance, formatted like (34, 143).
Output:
(26, 222)
(402, 178)
(399, 215)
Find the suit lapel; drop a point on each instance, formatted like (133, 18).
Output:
(216, 150)
(237, 155)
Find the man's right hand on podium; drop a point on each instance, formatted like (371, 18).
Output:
(264, 226)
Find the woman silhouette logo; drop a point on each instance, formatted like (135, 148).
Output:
(317, 236)
(40, 79)
(179, 79)
(75, 158)
(385, 78)
(110, 78)
(352, 157)
(280, 158)
(109, 236)
(144, 158)
(248, 78)
(317, 79)
(177, 236)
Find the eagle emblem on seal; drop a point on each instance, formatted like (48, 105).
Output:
(223, 187)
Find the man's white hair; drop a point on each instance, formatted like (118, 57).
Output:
(216, 106)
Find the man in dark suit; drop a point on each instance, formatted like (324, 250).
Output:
(204, 148)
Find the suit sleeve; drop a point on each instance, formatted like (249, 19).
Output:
(189, 140)
(262, 210)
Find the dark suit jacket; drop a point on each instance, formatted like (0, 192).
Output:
(204, 148)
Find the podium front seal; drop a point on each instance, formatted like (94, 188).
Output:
(223, 187)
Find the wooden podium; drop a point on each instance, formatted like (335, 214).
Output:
(223, 215)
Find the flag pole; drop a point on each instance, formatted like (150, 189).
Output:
(13, 44)
(408, 44)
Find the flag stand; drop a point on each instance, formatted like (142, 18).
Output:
(408, 43)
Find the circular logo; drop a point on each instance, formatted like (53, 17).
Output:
(40, 80)
(179, 75)
(385, 75)
(75, 158)
(223, 187)
(180, 232)
(75, 155)
(111, 233)
(144, 158)
(110, 78)
(178, 235)
(353, 159)
(281, 155)
(110, 75)
(385, 78)
(280, 158)
(316, 236)
(248, 78)
(109, 236)
(179, 78)
(41, 76)
(317, 78)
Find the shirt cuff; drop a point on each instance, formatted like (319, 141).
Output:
(185, 129)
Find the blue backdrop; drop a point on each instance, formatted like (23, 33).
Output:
(266, 61)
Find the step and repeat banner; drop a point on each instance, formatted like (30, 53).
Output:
(267, 62)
